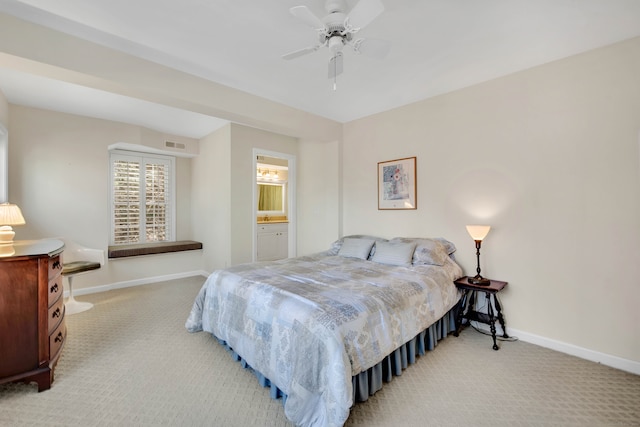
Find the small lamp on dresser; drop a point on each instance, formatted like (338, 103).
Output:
(478, 233)
(10, 214)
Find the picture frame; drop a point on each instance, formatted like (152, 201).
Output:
(397, 184)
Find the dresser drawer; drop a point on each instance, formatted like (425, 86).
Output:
(56, 313)
(55, 266)
(56, 339)
(55, 289)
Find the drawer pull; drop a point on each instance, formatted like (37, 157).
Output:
(56, 264)
(54, 289)
(56, 313)
(59, 337)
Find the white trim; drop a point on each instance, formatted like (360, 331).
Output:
(138, 148)
(137, 282)
(583, 353)
(573, 350)
(4, 164)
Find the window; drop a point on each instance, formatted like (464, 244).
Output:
(142, 198)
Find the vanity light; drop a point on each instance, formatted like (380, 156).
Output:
(267, 174)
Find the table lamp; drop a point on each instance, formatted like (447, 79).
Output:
(477, 233)
(10, 214)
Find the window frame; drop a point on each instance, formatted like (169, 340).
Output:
(144, 159)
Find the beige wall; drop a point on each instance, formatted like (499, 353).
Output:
(59, 176)
(243, 179)
(211, 190)
(319, 177)
(549, 158)
(223, 179)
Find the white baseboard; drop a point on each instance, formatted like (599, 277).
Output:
(573, 350)
(583, 353)
(137, 282)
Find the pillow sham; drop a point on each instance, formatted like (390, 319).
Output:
(394, 253)
(335, 246)
(449, 247)
(427, 251)
(356, 248)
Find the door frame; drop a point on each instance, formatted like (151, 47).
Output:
(291, 199)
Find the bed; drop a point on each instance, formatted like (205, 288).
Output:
(326, 330)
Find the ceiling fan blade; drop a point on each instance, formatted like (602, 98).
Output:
(363, 14)
(374, 48)
(335, 65)
(301, 52)
(304, 14)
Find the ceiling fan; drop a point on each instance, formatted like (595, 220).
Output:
(337, 30)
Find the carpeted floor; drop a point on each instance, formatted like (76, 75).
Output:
(129, 361)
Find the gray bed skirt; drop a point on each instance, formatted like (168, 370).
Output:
(366, 383)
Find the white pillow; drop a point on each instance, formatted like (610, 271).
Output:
(394, 253)
(356, 248)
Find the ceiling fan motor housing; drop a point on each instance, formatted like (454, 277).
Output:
(334, 22)
(332, 6)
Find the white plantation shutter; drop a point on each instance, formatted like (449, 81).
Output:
(156, 201)
(141, 198)
(126, 201)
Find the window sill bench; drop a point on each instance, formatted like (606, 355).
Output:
(123, 251)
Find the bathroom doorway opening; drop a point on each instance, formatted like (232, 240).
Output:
(275, 175)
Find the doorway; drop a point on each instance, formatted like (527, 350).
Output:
(275, 175)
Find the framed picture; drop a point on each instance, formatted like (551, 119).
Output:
(397, 184)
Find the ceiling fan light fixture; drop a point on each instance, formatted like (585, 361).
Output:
(336, 43)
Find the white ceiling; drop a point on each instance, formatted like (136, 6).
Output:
(437, 46)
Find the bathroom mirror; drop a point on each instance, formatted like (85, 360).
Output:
(271, 198)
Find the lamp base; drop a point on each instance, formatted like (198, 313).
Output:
(479, 280)
(6, 235)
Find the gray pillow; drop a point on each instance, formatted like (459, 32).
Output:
(356, 248)
(394, 253)
(428, 251)
(449, 247)
(335, 246)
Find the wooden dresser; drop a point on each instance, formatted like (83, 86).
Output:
(32, 327)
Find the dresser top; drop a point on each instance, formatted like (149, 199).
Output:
(48, 247)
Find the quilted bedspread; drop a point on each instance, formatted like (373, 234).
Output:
(310, 323)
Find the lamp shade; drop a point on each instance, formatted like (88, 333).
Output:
(478, 232)
(10, 214)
